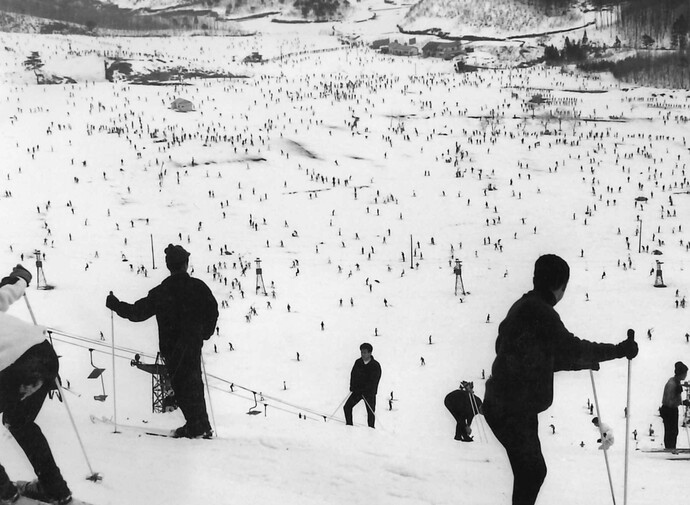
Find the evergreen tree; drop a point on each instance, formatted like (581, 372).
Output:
(647, 41)
(34, 63)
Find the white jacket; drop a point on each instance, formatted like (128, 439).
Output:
(16, 336)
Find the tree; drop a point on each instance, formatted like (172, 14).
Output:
(679, 33)
(551, 53)
(647, 41)
(321, 8)
(34, 63)
(90, 25)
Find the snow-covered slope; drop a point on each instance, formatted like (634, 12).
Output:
(267, 150)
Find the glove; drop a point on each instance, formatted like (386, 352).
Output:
(22, 273)
(112, 301)
(8, 280)
(627, 349)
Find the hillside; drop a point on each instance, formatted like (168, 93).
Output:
(496, 18)
(210, 17)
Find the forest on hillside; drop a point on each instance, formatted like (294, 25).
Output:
(89, 13)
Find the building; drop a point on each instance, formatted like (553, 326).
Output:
(378, 44)
(402, 49)
(445, 50)
(182, 105)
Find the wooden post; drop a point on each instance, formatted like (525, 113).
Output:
(411, 253)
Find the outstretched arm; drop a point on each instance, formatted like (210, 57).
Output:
(141, 310)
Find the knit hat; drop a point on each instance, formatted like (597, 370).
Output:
(680, 368)
(175, 256)
(550, 272)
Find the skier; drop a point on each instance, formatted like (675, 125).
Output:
(606, 432)
(670, 403)
(364, 383)
(186, 312)
(532, 344)
(28, 369)
(463, 404)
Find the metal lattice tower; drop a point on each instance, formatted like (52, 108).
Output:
(458, 277)
(260, 278)
(40, 274)
(659, 281)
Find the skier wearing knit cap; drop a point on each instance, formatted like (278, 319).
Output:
(532, 344)
(28, 369)
(670, 402)
(186, 312)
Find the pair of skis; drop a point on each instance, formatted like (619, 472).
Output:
(23, 500)
(144, 430)
(137, 428)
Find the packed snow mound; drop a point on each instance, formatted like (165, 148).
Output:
(499, 18)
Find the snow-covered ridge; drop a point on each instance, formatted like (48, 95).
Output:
(496, 18)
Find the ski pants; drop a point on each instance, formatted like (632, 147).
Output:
(517, 432)
(670, 417)
(184, 368)
(39, 363)
(463, 418)
(369, 401)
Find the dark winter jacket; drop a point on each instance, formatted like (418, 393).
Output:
(672, 392)
(532, 344)
(185, 310)
(459, 403)
(364, 378)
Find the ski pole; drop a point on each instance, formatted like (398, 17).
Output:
(601, 433)
(631, 336)
(338, 407)
(475, 413)
(112, 346)
(370, 409)
(94, 476)
(208, 393)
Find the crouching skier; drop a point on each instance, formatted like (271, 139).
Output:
(28, 370)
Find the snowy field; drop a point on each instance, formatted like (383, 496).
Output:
(274, 167)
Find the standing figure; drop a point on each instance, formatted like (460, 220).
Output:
(28, 370)
(532, 344)
(186, 313)
(670, 403)
(463, 404)
(364, 383)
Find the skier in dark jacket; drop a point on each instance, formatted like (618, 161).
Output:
(364, 384)
(186, 312)
(670, 402)
(532, 344)
(28, 369)
(463, 404)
